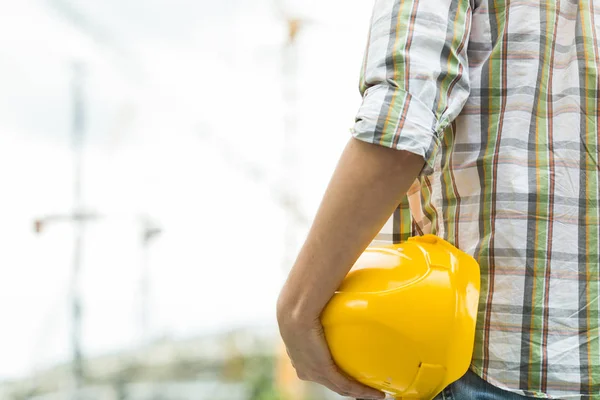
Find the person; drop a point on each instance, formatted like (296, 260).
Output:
(479, 124)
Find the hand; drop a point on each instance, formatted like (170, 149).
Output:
(312, 360)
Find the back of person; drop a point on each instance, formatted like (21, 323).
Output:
(516, 182)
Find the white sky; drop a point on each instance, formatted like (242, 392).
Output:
(166, 80)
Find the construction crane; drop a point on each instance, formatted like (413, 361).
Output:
(79, 216)
(287, 383)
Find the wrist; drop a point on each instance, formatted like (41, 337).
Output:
(294, 311)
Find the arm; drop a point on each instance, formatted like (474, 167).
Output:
(414, 83)
(364, 190)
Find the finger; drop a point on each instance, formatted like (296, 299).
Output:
(332, 387)
(320, 377)
(351, 387)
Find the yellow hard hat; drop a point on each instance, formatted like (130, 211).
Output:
(403, 320)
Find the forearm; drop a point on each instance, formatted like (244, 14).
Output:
(366, 186)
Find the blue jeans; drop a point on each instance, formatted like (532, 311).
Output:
(472, 387)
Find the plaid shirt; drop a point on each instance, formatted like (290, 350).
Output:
(501, 98)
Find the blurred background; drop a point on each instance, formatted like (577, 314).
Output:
(160, 163)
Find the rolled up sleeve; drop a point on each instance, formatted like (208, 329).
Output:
(414, 79)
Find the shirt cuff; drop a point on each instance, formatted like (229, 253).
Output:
(394, 118)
